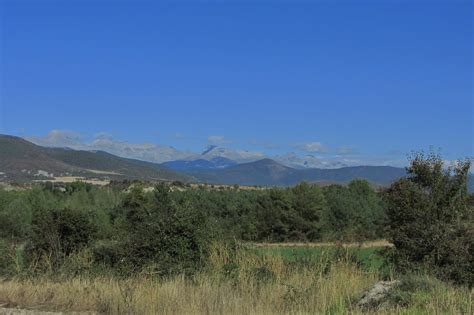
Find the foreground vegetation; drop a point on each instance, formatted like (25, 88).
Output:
(173, 249)
(239, 282)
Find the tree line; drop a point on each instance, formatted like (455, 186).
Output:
(304, 212)
(428, 216)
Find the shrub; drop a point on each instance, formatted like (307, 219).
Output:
(166, 237)
(7, 258)
(410, 285)
(109, 253)
(430, 223)
(59, 233)
(15, 219)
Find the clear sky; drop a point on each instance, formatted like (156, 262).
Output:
(369, 78)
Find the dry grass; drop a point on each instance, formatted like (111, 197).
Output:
(289, 290)
(299, 293)
(72, 179)
(103, 172)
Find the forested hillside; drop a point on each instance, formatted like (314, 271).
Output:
(21, 160)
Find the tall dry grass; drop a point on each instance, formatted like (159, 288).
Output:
(236, 283)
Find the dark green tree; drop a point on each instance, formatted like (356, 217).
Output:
(60, 232)
(15, 219)
(430, 222)
(274, 212)
(309, 203)
(164, 235)
(338, 217)
(368, 211)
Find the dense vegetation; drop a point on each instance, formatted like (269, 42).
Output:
(431, 220)
(127, 229)
(64, 219)
(170, 228)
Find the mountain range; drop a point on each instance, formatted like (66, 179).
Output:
(157, 153)
(149, 152)
(21, 160)
(200, 164)
(267, 172)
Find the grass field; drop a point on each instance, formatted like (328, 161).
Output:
(253, 280)
(367, 258)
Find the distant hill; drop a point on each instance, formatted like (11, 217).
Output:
(267, 172)
(187, 165)
(23, 160)
(264, 172)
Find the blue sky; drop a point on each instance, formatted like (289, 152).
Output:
(373, 79)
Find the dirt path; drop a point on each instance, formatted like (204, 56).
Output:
(4, 310)
(17, 311)
(20, 311)
(371, 244)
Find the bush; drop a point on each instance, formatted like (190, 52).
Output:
(15, 219)
(430, 223)
(109, 253)
(59, 233)
(165, 237)
(354, 213)
(409, 285)
(7, 258)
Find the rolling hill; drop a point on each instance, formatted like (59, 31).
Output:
(21, 160)
(267, 172)
(264, 172)
(189, 165)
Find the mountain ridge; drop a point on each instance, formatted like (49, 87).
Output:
(188, 165)
(23, 160)
(267, 172)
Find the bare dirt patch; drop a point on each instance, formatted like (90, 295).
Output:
(103, 172)
(71, 179)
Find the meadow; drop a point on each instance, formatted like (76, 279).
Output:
(369, 258)
(247, 281)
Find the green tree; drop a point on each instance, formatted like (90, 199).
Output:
(367, 212)
(15, 219)
(60, 232)
(164, 235)
(430, 223)
(273, 212)
(354, 212)
(337, 218)
(309, 202)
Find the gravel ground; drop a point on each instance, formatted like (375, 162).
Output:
(20, 311)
